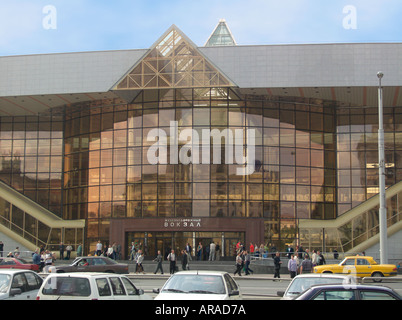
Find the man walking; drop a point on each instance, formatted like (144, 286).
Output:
(247, 259)
(277, 264)
(172, 259)
(159, 260)
(306, 265)
(212, 248)
(292, 266)
(99, 248)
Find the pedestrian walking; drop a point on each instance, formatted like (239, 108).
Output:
(79, 250)
(320, 258)
(172, 260)
(247, 260)
(239, 264)
(36, 259)
(217, 252)
(212, 248)
(292, 266)
(69, 248)
(140, 258)
(159, 260)
(132, 251)
(306, 265)
(184, 260)
(99, 248)
(61, 250)
(199, 251)
(277, 265)
(189, 251)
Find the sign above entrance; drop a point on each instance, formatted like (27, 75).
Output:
(182, 223)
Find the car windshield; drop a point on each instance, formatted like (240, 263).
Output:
(22, 261)
(303, 283)
(5, 281)
(202, 284)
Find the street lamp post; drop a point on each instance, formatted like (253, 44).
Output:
(381, 159)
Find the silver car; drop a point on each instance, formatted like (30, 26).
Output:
(199, 285)
(302, 282)
(19, 284)
(89, 286)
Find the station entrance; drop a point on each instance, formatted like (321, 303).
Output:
(151, 242)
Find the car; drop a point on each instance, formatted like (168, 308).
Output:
(199, 285)
(345, 292)
(89, 286)
(19, 284)
(302, 282)
(17, 263)
(91, 264)
(360, 266)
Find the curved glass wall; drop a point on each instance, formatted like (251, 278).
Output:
(314, 159)
(108, 173)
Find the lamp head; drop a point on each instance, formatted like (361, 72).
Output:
(380, 75)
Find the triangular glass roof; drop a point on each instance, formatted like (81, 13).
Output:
(221, 36)
(173, 62)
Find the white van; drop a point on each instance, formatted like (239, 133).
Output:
(89, 286)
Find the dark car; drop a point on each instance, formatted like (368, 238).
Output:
(17, 263)
(91, 264)
(348, 292)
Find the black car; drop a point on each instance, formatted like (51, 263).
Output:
(348, 292)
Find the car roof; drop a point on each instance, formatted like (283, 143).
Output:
(324, 275)
(85, 275)
(12, 271)
(201, 272)
(349, 287)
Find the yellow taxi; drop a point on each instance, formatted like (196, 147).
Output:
(360, 266)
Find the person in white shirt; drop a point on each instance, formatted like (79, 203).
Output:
(99, 248)
(212, 248)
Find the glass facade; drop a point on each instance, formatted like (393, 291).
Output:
(314, 159)
(31, 157)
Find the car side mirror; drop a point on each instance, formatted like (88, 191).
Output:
(234, 293)
(15, 292)
(156, 290)
(280, 293)
(140, 292)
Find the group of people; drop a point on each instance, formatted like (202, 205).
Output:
(43, 258)
(172, 257)
(68, 249)
(209, 252)
(301, 262)
(113, 251)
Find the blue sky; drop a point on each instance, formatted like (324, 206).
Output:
(92, 25)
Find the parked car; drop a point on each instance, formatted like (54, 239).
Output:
(360, 266)
(89, 286)
(17, 263)
(302, 282)
(199, 285)
(355, 292)
(19, 284)
(91, 264)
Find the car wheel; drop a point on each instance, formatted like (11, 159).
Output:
(378, 276)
